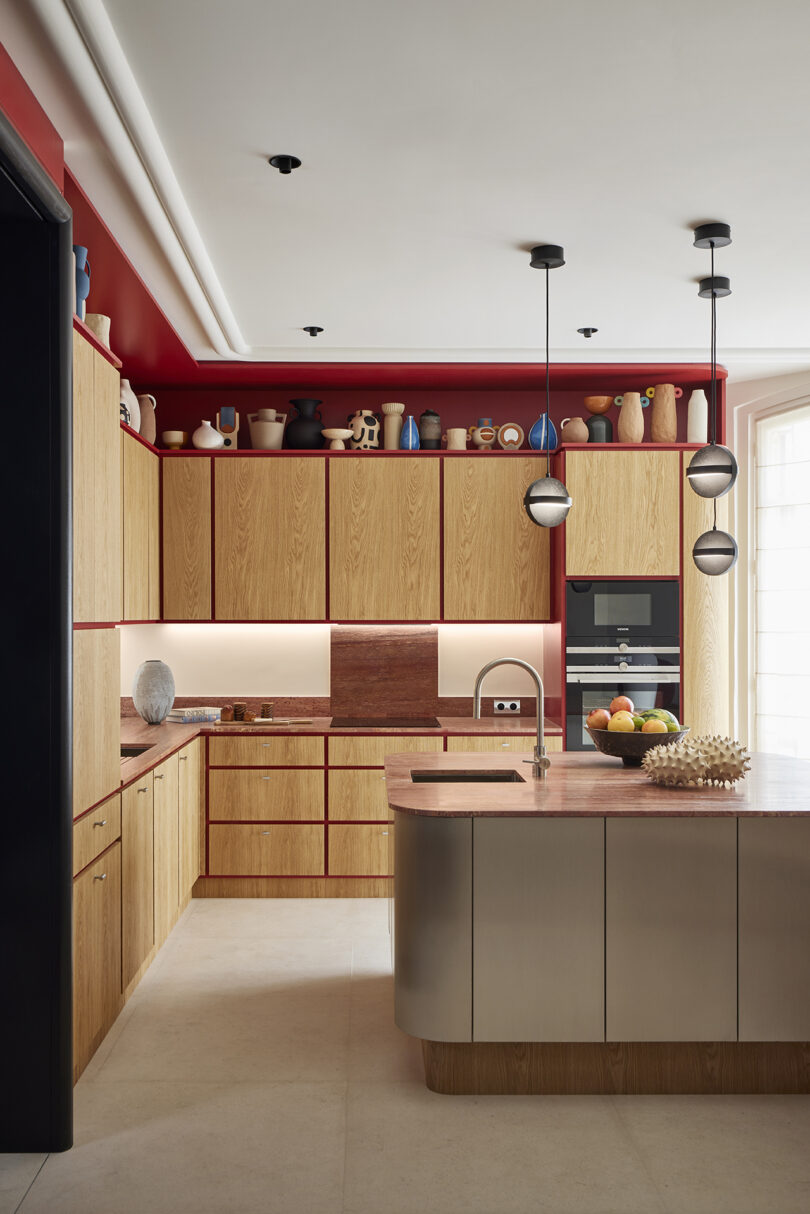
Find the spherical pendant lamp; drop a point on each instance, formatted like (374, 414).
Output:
(712, 470)
(715, 552)
(546, 501)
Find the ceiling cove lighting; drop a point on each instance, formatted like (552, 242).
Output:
(546, 501)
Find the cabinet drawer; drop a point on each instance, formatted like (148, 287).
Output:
(263, 751)
(358, 851)
(96, 954)
(494, 744)
(265, 796)
(95, 832)
(371, 751)
(265, 851)
(358, 796)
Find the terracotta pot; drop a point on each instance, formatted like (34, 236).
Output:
(148, 427)
(631, 419)
(664, 421)
(574, 430)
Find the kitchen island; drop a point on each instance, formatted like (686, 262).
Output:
(593, 932)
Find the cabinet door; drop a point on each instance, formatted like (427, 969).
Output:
(84, 506)
(671, 929)
(384, 539)
(138, 876)
(259, 750)
(706, 623)
(281, 794)
(94, 833)
(186, 523)
(96, 716)
(358, 796)
(152, 474)
(358, 751)
(96, 954)
(190, 814)
(358, 851)
(538, 929)
(166, 848)
(625, 520)
(265, 851)
(522, 744)
(496, 560)
(140, 506)
(269, 538)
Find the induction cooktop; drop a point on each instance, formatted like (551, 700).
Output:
(385, 723)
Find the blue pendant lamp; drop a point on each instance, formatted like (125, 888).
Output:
(546, 501)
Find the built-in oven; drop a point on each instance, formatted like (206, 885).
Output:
(622, 639)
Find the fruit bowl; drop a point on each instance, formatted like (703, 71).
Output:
(631, 747)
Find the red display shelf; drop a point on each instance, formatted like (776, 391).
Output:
(128, 430)
(90, 336)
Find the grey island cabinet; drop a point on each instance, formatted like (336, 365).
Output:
(592, 932)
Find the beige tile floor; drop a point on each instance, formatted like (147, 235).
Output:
(257, 1071)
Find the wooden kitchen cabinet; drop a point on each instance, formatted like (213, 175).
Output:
(498, 743)
(137, 877)
(496, 560)
(141, 530)
(94, 833)
(358, 851)
(96, 716)
(384, 541)
(97, 995)
(96, 487)
(357, 796)
(626, 513)
(186, 522)
(671, 929)
(190, 815)
(269, 537)
(355, 750)
(246, 850)
(281, 750)
(265, 795)
(166, 851)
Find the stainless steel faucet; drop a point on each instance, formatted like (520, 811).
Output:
(540, 762)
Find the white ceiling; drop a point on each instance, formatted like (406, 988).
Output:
(441, 139)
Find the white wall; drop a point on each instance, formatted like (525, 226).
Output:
(293, 659)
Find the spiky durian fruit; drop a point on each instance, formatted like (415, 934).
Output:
(726, 759)
(680, 764)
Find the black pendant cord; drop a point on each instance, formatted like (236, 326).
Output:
(714, 520)
(714, 355)
(548, 390)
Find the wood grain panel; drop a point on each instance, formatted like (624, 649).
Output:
(186, 538)
(358, 851)
(671, 929)
(95, 832)
(270, 539)
(616, 1068)
(107, 490)
(136, 510)
(358, 796)
(388, 669)
(138, 877)
(384, 539)
(283, 750)
(96, 716)
(96, 954)
(283, 794)
(624, 520)
(167, 876)
(84, 504)
(152, 475)
(502, 743)
(496, 560)
(191, 812)
(359, 751)
(705, 643)
(266, 851)
(292, 887)
(774, 929)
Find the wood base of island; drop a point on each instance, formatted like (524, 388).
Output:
(720, 1068)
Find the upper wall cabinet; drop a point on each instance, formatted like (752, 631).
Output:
(141, 529)
(269, 538)
(384, 545)
(496, 560)
(96, 487)
(624, 521)
(186, 538)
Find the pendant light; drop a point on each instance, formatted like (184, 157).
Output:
(546, 501)
(715, 552)
(713, 469)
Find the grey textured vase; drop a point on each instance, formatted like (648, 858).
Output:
(153, 691)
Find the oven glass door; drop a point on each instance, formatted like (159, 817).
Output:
(644, 611)
(586, 692)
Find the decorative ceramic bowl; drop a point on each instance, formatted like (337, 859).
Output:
(631, 747)
(598, 404)
(174, 439)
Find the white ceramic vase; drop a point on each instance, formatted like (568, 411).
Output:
(697, 418)
(153, 691)
(206, 438)
(130, 409)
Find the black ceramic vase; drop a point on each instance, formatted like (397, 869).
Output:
(303, 433)
(600, 428)
(430, 430)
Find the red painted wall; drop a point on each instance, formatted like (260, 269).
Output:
(29, 119)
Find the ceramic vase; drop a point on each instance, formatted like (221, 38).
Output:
(153, 691)
(538, 439)
(365, 428)
(304, 431)
(430, 430)
(631, 419)
(148, 426)
(82, 278)
(697, 418)
(574, 430)
(99, 324)
(664, 420)
(206, 438)
(600, 429)
(392, 426)
(266, 429)
(409, 438)
(130, 409)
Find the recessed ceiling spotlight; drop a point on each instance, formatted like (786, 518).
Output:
(313, 330)
(588, 331)
(285, 164)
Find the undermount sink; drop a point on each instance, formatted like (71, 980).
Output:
(132, 752)
(467, 777)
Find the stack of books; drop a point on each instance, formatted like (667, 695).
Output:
(191, 716)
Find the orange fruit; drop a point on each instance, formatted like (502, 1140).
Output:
(621, 722)
(654, 726)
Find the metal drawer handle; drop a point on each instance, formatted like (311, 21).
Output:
(145, 789)
(265, 777)
(103, 877)
(182, 758)
(103, 822)
(157, 777)
(266, 745)
(385, 832)
(265, 832)
(382, 777)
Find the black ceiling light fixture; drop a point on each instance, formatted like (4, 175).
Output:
(713, 469)
(546, 501)
(285, 163)
(313, 330)
(588, 331)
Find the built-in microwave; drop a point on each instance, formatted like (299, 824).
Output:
(644, 612)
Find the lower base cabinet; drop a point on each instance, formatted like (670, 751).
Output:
(138, 876)
(97, 996)
(166, 851)
(260, 850)
(358, 850)
(190, 826)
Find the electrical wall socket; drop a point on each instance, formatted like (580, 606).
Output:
(508, 706)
